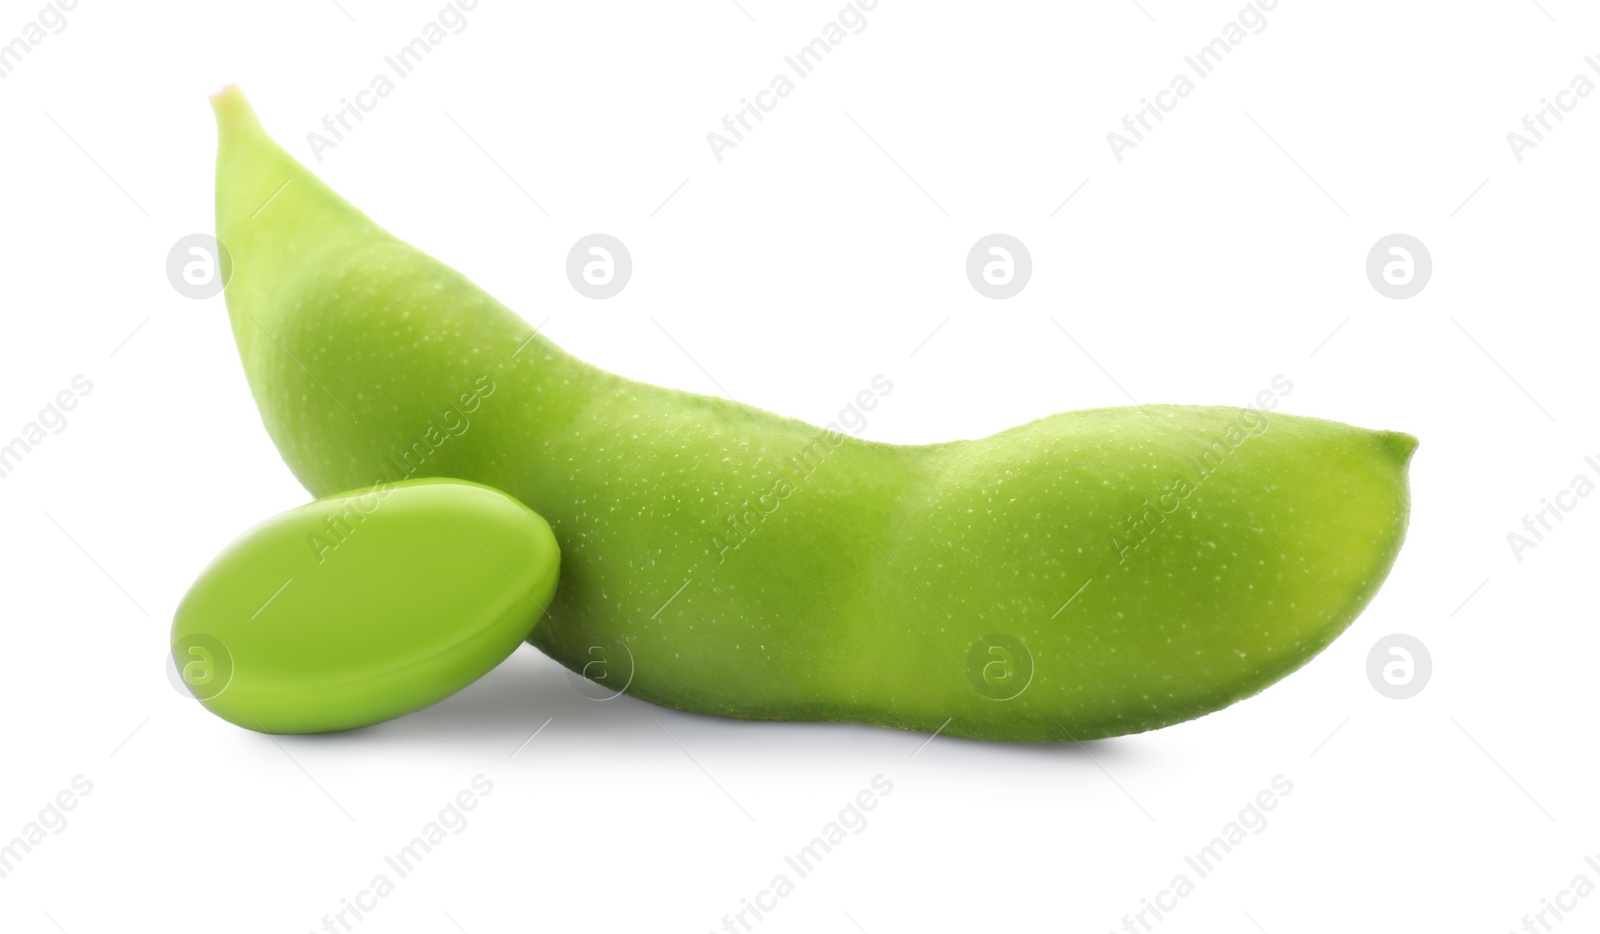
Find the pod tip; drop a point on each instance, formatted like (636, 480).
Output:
(231, 107)
(1399, 444)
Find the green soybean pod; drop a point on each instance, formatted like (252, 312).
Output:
(1085, 575)
(364, 605)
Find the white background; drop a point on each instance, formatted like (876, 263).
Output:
(825, 249)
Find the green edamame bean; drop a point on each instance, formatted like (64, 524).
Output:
(1084, 575)
(363, 606)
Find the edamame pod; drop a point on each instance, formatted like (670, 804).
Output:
(1085, 575)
